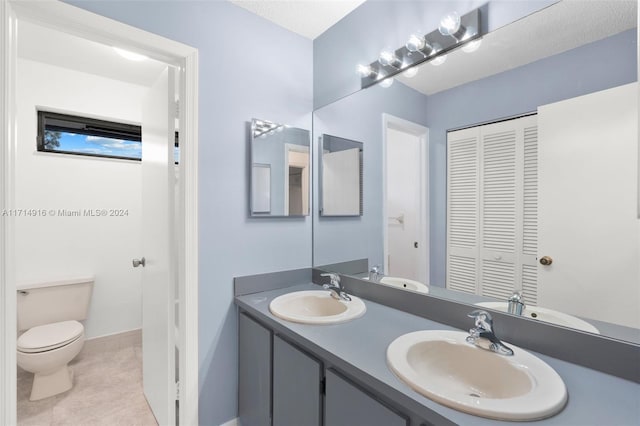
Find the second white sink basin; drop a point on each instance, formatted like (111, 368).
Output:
(316, 307)
(442, 366)
(405, 283)
(547, 315)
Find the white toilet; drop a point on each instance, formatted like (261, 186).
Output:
(49, 312)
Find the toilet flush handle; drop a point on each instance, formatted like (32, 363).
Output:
(139, 262)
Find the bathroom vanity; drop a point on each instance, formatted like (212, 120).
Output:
(291, 373)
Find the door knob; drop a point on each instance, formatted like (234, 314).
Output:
(138, 262)
(546, 260)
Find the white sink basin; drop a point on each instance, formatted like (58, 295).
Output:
(316, 307)
(544, 314)
(405, 284)
(442, 366)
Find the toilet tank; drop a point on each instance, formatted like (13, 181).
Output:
(48, 302)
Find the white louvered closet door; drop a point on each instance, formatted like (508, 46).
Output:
(504, 198)
(462, 210)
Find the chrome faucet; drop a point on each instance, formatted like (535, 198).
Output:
(516, 305)
(375, 274)
(484, 330)
(335, 288)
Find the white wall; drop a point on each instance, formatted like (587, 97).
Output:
(49, 248)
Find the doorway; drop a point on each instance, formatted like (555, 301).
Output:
(406, 212)
(85, 25)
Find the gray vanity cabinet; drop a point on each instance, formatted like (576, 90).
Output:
(346, 405)
(254, 373)
(297, 378)
(282, 385)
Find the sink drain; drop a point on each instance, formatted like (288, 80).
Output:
(474, 395)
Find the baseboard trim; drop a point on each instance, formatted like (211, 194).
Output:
(113, 342)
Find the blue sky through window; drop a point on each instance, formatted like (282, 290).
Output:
(100, 145)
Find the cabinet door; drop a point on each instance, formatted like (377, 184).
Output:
(296, 386)
(254, 376)
(346, 405)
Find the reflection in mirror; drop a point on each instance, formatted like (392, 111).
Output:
(280, 166)
(340, 177)
(544, 205)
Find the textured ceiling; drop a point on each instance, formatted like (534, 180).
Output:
(555, 29)
(309, 18)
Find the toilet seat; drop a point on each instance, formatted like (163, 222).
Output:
(49, 336)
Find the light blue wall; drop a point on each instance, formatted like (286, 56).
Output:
(359, 117)
(384, 24)
(249, 67)
(596, 66)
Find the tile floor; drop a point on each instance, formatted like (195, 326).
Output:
(107, 391)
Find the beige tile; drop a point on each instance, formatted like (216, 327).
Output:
(107, 390)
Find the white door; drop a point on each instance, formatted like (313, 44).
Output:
(403, 205)
(158, 245)
(588, 224)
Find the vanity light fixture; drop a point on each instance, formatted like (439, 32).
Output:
(450, 25)
(261, 128)
(365, 71)
(388, 58)
(454, 31)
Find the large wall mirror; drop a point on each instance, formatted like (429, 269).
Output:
(509, 169)
(280, 170)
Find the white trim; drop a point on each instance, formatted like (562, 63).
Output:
(392, 122)
(76, 21)
(8, 367)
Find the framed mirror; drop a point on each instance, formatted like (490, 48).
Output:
(554, 218)
(280, 170)
(340, 184)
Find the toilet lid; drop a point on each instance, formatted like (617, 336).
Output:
(49, 336)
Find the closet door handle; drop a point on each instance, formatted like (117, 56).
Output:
(139, 262)
(546, 260)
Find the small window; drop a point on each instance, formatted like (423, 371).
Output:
(69, 134)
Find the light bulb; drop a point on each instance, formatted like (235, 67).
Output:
(386, 83)
(365, 70)
(439, 60)
(388, 59)
(415, 43)
(449, 24)
(472, 46)
(410, 72)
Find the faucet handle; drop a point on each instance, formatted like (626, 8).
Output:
(482, 319)
(375, 269)
(334, 279)
(516, 297)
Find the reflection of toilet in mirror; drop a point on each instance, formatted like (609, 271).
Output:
(48, 315)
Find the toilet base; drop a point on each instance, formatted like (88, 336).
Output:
(46, 385)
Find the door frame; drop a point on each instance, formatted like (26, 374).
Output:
(392, 122)
(73, 20)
